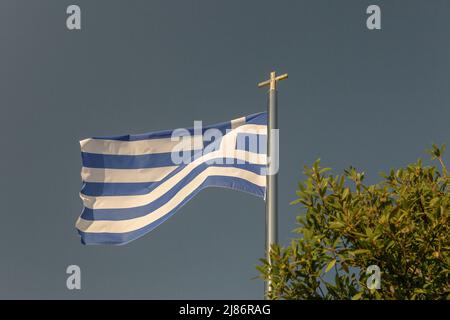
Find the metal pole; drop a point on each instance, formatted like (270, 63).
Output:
(272, 176)
(271, 180)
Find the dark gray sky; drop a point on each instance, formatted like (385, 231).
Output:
(371, 99)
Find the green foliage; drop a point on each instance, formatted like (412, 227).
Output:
(400, 224)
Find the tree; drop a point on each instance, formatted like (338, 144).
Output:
(400, 225)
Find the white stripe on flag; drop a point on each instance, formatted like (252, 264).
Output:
(140, 147)
(102, 175)
(237, 122)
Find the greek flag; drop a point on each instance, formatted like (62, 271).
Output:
(133, 183)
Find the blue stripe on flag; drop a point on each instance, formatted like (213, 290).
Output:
(95, 160)
(257, 118)
(95, 189)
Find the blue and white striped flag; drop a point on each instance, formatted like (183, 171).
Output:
(133, 183)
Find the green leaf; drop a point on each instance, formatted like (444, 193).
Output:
(434, 201)
(345, 193)
(357, 296)
(359, 251)
(336, 225)
(330, 265)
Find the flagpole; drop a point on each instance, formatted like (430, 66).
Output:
(272, 176)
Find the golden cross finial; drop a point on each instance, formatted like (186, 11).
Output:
(272, 82)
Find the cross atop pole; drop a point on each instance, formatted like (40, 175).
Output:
(272, 82)
(271, 177)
